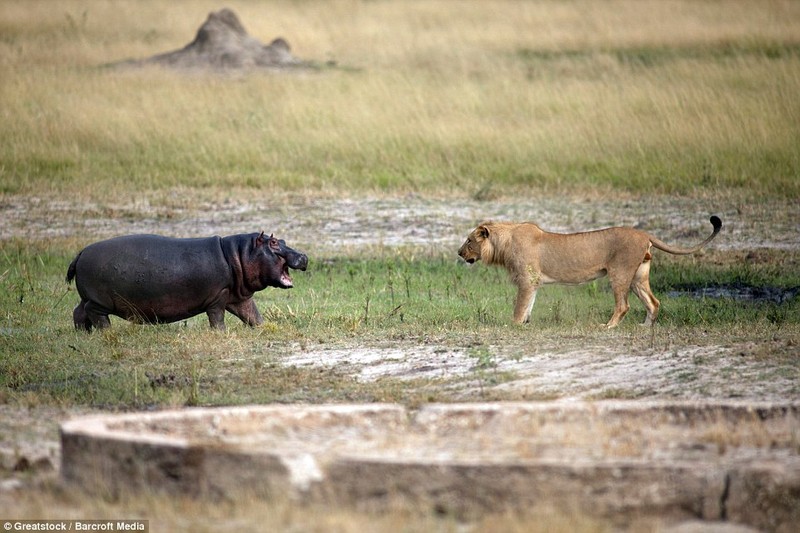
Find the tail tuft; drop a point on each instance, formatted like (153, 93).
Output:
(716, 222)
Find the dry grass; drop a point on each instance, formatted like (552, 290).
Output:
(55, 502)
(450, 96)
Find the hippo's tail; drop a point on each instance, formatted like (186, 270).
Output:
(72, 268)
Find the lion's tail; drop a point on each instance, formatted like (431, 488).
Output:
(715, 221)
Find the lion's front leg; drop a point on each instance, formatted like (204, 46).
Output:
(526, 296)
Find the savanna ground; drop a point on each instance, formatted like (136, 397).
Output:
(577, 115)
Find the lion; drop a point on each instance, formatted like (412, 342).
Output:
(534, 257)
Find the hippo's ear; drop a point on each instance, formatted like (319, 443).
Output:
(260, 240)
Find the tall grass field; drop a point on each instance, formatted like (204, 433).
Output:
(429, 97)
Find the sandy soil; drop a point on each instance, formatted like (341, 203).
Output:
(572, 373)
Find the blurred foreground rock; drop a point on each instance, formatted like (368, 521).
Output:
(729, 462)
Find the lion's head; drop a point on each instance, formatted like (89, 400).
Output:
(473, 248)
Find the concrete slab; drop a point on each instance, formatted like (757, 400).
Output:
(723, 461)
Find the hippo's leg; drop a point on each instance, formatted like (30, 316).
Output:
(247, 312)
(80, 318)
(97, 315)
(216, 317)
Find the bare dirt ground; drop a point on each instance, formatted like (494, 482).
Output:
(573, 373)
(629, 367)
(336, 225)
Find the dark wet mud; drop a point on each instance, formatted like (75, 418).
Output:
(740, 292)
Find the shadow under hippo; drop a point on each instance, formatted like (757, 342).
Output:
(154, 279)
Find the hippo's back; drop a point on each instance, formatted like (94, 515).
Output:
(156, 275)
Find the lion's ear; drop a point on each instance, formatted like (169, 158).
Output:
(483, 231)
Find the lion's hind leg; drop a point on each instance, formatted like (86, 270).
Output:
(641, 287)
(621, 279)
(621, 305)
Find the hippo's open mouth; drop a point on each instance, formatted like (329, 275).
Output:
(286, 278)
(294, 261)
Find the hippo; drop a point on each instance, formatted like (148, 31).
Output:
(154, 279)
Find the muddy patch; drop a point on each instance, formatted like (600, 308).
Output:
(739, 292)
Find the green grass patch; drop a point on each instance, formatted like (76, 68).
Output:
(655, 55)
(340, 301)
